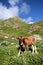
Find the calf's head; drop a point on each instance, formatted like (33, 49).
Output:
(20, 40)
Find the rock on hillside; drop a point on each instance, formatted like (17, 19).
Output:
(35, 27)
(38, 37)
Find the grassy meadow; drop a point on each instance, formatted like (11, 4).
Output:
(9, 55)
(9, 31)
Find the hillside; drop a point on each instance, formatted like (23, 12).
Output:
(14, 27)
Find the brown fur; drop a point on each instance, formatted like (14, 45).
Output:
(29, 41)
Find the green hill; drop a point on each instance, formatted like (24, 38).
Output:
(15, 27)
(12, 28)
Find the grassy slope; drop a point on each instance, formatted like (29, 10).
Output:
(8, 54)
(8, 29)
(16, 27)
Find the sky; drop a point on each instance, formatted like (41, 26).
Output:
(29, 10)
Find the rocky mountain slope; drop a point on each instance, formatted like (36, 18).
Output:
(14, 27)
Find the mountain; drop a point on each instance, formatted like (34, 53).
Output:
(14, 27)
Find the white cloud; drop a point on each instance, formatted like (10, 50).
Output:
(6, 13)
(25, 8)
(13, 2)
(29, 20)
(13, 10)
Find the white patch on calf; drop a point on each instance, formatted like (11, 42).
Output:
(35, 49)
(19, 53)
(32, 49)
(22, 43)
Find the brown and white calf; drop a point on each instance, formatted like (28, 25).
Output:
(25, 42)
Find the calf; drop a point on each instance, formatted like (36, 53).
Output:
(25, 42)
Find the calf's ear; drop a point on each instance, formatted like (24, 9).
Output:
(18, 38)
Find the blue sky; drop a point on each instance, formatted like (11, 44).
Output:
(29, 10)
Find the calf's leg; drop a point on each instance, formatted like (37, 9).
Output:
(32, 49)
(19, 52)
(35, 49)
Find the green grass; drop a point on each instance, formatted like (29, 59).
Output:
(9, 55)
